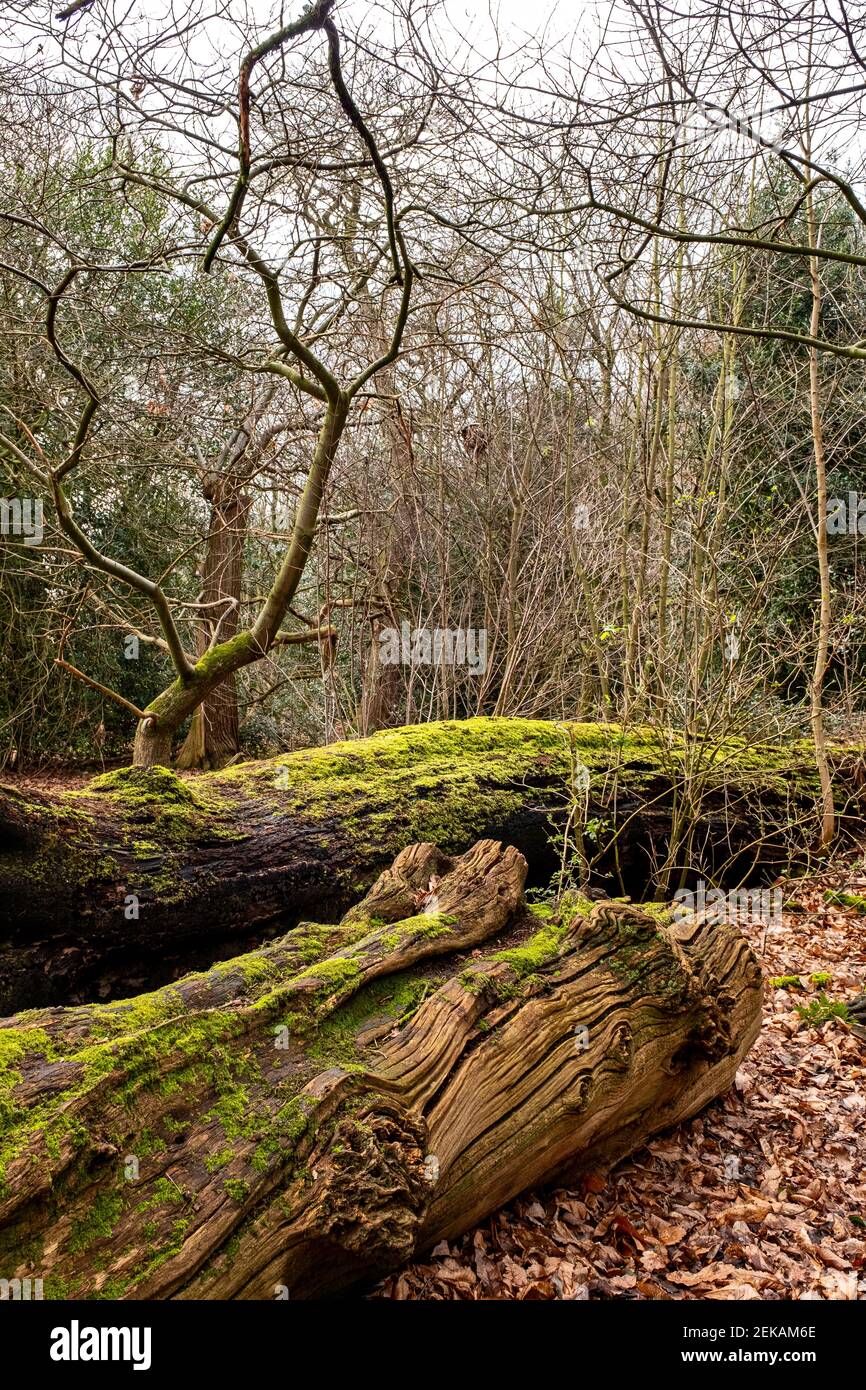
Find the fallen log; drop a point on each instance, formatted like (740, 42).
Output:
(311, 1115)
(142, 875)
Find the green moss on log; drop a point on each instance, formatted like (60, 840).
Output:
(836, 898)
(148, 788)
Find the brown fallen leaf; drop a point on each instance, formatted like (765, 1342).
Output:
(740, 1292)
(746, 1211)
(669, 1235)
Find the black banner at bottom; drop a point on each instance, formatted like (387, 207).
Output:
(84, 1340)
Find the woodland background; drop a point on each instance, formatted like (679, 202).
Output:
(628, 507)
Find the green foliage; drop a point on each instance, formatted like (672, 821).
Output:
(836, 898)
(142, 338)
(821, 1010)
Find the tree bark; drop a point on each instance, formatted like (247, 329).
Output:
(142, 876)
(382, 684)
(213, 734)
(825, 602)
(308, 1117)
(152, 744)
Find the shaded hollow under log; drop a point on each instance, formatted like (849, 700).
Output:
(301, 1120)
(142, 876)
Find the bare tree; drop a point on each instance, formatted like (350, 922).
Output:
(286, 149)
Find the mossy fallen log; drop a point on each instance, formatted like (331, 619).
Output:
(311, 1115)
(142, 876)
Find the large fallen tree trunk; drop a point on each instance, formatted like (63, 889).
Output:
(315, 1113)
(142, 876)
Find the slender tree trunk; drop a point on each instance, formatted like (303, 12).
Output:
(816, 690)
(381, 688)
(382, 683)
(213, 736)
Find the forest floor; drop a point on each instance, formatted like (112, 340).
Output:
(760, 1196)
